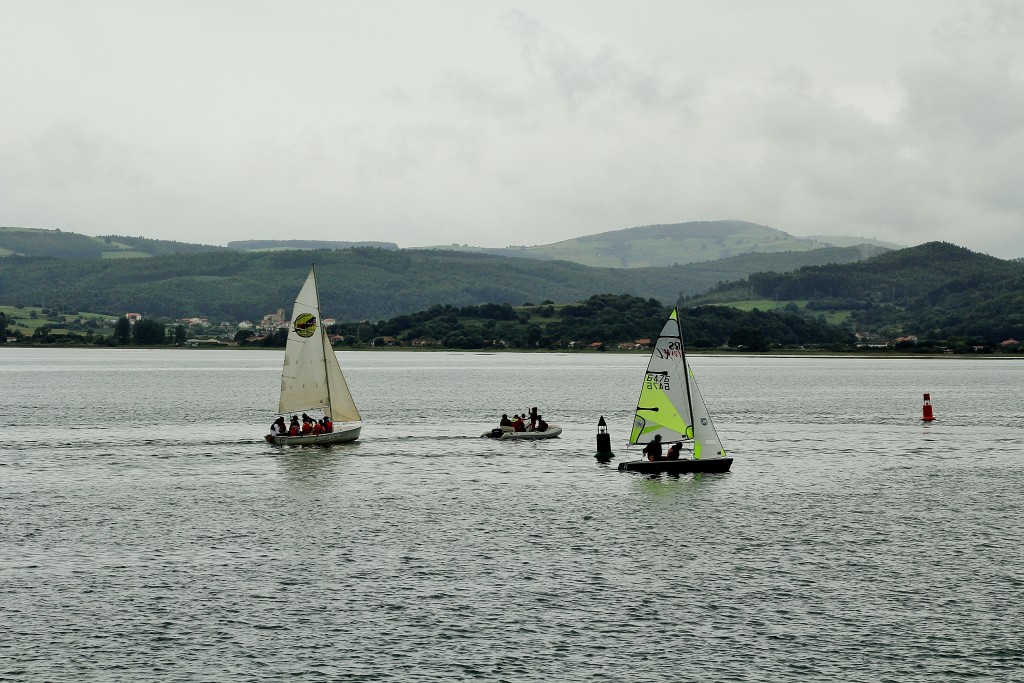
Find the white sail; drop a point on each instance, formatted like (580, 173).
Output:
(311, 377)
(670, 403)
(705, 437)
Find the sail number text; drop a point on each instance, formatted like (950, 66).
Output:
(657, 380)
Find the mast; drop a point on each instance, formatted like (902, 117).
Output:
(686, 372)
(324, 341)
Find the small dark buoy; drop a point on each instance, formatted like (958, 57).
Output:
(926, 410)
(604, 442)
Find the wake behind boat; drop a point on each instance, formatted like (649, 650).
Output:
(671, 409)
(311, 379)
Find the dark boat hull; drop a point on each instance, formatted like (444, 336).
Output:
(682, 466)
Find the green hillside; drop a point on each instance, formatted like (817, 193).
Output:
(641, 247)
(70, 245)
(936, 290)
(843, 241)
(283, 245)
(355, 284)
(677, 243)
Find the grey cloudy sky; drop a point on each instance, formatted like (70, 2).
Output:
(493, 123)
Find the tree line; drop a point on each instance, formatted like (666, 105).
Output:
(935, 291)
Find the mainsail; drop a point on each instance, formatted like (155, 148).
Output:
(670, 403)
(311, 377)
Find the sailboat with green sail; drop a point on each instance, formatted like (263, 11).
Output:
(672, 410)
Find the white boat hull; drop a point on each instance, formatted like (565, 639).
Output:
(551, 432)
(341, 434)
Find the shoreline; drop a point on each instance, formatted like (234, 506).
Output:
(783, 353)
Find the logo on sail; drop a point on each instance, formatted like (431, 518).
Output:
(305, 324)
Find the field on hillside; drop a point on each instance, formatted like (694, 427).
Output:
(831, 317)
(27, 319)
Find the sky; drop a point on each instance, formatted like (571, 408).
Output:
(492, 123)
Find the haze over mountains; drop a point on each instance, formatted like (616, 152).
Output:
(678, 243)
(638, 247)
(377, 279)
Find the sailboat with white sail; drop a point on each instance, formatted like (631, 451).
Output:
(672, 410)
(311, 379)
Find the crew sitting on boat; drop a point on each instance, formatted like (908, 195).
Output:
(542, 426)
(518, 425)
(307, 424)
(278, 428)
(673, 451)
(653, 449)
(504, 421)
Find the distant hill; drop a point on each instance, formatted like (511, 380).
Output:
(643, 247)
(62, 244)
(846, 241)
(356, 284)
(935, 290)
(672, 244)
(710, 273)
(279, 245)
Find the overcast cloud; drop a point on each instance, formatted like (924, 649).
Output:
(493, 123)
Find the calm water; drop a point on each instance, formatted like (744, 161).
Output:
(148, 533)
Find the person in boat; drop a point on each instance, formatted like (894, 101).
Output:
(518, 424)
(653, 449)
(277, 428)
(673, 451)
(293, 428)
(328, 425)
(318, 426)
(534, 417)
(542, 426)
(504, 421)
(307, 424)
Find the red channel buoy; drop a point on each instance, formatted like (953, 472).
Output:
(926, 414)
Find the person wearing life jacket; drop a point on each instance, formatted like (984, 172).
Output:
(293, 428)
(328, 425)
(673, 451)
(517, 424)
(318, 427)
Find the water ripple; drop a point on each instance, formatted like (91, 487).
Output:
(850, 542)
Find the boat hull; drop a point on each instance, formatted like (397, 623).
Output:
(682, 466)
(341, 434)
(551, 432)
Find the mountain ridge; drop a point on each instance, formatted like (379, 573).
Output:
(636, 247)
